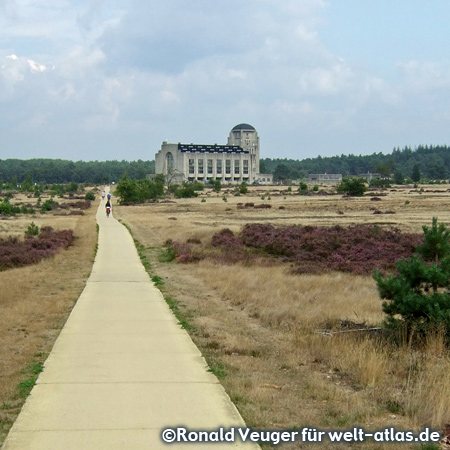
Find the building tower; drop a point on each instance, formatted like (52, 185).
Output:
(246, 137)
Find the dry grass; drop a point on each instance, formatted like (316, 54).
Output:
(261, 324)
(36, 300)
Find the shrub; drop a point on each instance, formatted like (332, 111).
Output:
(243, 188)
(24, 209)
(355, 187)
(187, 190)
(48, 205)
(32, 230)
(90, 196)
(173, 187)
(7, 209)
(303, 189)
(226, 239)
(168, 254)
(357, 249)
(198, 186)
(58, 189)
(138, 191)
(14, 253)
(73, 187)
(417, 296)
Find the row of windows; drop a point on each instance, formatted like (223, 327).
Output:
(219, 166)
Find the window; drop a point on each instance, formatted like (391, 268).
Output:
(228, 166)
(200, 166)
(210, 166)
(245, 166)
(219, 167)
(169, 162)
(191, 166)
(237, 166)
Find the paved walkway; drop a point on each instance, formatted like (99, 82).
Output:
(122, 368)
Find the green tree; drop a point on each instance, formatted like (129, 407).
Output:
(140, 190)
(127, 190)
(27, 185)
(262, 166)
(418, 295)
(354, 187)
(72, 187)
(282, 173)
(384, 169)
(243, 188)
(186, 190)
(416, 175)
(399, 178)
(303, 189)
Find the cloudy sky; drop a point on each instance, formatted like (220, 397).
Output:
(112, 79)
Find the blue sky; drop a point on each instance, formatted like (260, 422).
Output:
(110, 79)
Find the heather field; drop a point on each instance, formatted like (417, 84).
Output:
(41, 276)
(275, 289)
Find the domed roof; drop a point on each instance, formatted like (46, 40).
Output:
(243, 126)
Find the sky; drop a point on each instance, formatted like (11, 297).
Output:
(112, 79)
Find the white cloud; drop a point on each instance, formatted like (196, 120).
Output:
(36, 67)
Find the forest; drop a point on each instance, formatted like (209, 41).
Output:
(431, 162)
(63, 171)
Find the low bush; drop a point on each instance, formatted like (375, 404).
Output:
(90, 196)
(16, 253)
(354, 187)
(7, 209)
(187, 190)
(226, 239)
(32, 230)
(49, 205)
(357, 249)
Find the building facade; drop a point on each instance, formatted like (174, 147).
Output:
(233, 163)
(325, 178)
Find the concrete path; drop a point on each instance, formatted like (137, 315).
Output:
(122, 368)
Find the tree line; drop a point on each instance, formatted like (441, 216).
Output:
(52, 171)
(433, 163)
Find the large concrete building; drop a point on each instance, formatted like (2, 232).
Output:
(233, 163)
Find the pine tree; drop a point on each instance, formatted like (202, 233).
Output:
(418, 295)
(416, 175)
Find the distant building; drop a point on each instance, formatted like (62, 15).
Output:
(325, 178)
(233, 163)
(369, 176)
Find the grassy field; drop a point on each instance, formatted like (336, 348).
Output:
(36, 300)
(261, 328)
